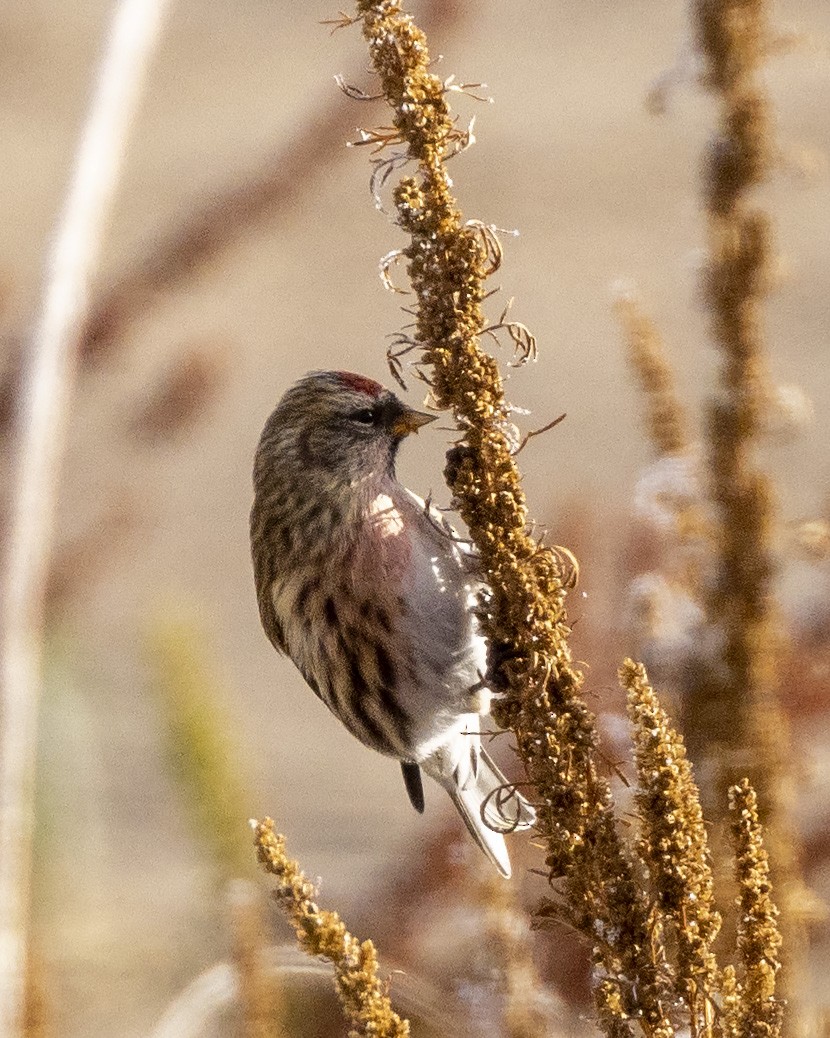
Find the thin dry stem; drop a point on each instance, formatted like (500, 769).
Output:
(320, 932)
(257, 986)
(48, 386)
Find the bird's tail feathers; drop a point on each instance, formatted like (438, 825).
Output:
(489, 805)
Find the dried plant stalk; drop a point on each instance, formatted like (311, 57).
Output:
(667, 601)
(666, 419)
(649, 955)
(757, 1012)
(448, 262)
(731, 35)
(735, 723)
(674, 845)
(320, 932)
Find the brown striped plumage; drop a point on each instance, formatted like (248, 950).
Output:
(370, 594)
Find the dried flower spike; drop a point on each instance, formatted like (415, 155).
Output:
(448, 261)
(760, 1013)
(667, 421)
(673, 844)
(362, 994)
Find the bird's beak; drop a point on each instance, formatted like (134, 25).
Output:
(410, 421)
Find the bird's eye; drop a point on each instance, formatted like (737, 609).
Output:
(365, 416)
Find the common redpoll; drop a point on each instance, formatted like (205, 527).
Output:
(371, 594)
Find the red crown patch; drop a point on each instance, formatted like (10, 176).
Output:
(360, 383)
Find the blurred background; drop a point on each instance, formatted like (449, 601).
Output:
(243, 252)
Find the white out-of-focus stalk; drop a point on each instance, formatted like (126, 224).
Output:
(46, 390)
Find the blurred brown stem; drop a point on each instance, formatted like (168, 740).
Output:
(258, 994)
(666, 418)
(734, 719)
(232, 210)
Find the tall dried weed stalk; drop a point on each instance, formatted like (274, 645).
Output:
(648, 915)
(739, 726)
(731, 38)
(667, 424)
(448, 262)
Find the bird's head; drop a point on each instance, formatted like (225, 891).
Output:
(339, 426)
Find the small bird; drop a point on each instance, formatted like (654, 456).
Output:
(371, 594)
